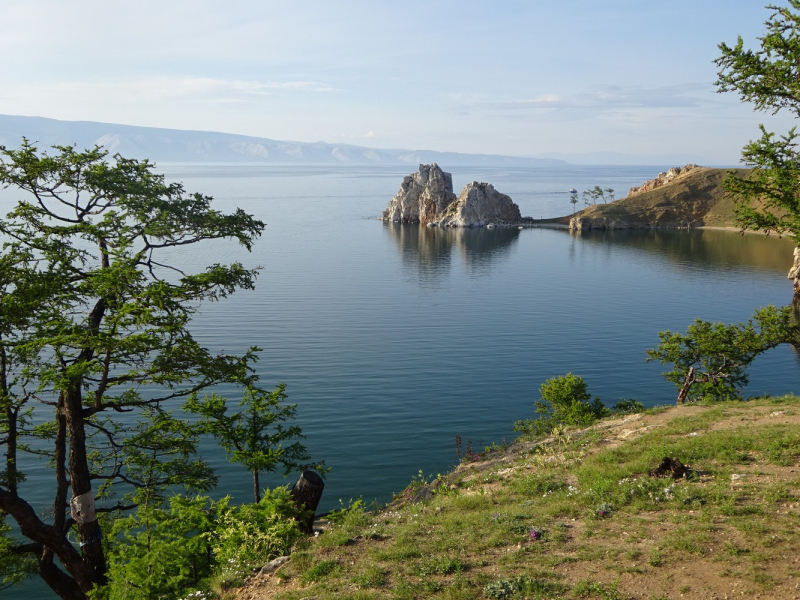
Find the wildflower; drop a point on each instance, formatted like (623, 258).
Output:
(604, 510)
(535, 534)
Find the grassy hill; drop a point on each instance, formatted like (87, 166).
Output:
(577, 515)
(696, 198)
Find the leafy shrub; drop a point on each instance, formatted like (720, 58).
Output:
(253, 534)
(351, 517)
(564, 401)
(628, 406)
(166, 552)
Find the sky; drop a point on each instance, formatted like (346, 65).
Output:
(512, 77)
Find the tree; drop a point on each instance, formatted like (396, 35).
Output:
(95, 350)
(710, 361)
(597, 193)
(256, 436)
(768, 199)
(573, 198)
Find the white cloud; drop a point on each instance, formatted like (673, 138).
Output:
(607, 98)
(156, 89)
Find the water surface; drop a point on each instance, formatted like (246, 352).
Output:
(392, 339)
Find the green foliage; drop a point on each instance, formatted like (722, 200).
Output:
(593, 195)
(350, 517)
(256, 436)
(253, 534)
(710, 360)
(627, 407)
(14, 567)
(769, 78)
(96, 355)
(564, 401)
(531, 588)
(161, 553)
(167, 552)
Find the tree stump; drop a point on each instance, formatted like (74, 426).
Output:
(306, 494)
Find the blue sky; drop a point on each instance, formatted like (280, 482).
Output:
(501, 77)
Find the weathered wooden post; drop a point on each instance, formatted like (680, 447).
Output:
(306, 494)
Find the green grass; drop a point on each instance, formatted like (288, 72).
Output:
(597, 513)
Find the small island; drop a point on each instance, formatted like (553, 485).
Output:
(426, 197)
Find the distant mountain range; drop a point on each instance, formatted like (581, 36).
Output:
(174, 145)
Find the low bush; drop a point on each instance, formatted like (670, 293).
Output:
(564, 400)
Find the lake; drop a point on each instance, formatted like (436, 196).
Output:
(392, 339)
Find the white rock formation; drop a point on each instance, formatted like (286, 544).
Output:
(479, 204)
(662, 179)
(422, 196)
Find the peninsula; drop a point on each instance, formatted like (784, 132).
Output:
(691, 196)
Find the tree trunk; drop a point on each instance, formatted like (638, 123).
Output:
(306, 494)
(256, 486)
(80, 480)
(687, 383)
(33, 528)
(79, 474)
(58, 581)
(794, 275)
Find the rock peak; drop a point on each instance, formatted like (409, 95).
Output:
(427, 197)
(422, 196)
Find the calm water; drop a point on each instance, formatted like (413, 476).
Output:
(392, 339)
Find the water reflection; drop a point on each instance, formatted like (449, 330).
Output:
(430, 250)
(701, 246)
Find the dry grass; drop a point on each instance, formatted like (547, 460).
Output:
(697, 197)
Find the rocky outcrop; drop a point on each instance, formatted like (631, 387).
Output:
(662, 179)
(422, 196)
(600, 223)
(478, 205)
(427, 197)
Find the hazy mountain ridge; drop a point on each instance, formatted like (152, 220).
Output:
(174, 145)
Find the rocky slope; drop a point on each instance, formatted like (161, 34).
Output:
(663, 179)
(688, 197)
(427, 197)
